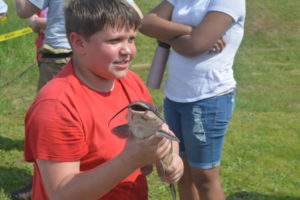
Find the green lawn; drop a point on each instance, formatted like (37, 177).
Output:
(261, 159)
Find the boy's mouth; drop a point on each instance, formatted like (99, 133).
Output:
(123, 63)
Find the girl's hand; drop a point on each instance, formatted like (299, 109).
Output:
(218, 46)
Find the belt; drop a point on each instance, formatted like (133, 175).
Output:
(58, 55)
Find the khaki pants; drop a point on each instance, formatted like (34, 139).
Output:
(48, 69)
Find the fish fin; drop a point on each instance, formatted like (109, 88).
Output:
(164, 134)
(121, 131)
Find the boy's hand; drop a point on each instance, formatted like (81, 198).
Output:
(37, 23)
(146, 151)
(174, 171)
(33, 23)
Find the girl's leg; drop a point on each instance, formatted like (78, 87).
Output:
(208, 184)
(186, 186)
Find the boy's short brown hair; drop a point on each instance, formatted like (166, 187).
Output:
(87, 17)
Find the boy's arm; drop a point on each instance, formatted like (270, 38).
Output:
(25, 8)
(204, 36)
(157, 23)
(38, 24)
(64, 180)
(175, 169)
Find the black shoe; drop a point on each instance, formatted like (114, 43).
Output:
(23, 193)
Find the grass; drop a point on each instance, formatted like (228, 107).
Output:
(261, 156)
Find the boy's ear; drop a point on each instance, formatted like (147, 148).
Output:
(77, 42)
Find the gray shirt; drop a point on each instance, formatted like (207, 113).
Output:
(55, 33)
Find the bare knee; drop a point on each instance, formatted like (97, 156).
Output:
(186, 178)
(206, 179)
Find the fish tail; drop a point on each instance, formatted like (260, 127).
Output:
(173, 191)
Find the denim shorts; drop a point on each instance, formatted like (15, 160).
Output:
(201, 127)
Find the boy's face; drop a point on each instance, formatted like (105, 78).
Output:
(109, 52)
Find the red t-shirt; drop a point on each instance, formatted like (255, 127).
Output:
(68, 121)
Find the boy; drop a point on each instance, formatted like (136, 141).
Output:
(68, 139)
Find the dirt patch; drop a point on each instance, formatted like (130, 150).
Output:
(295, 72)
(141, 65)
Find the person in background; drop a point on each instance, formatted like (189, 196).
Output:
(200, 85)
(56, 50)
(67, 137)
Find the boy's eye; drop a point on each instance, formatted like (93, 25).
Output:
(114, 41)
(131, 39)
(118, 40)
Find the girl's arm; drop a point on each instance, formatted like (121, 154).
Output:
(157, 23)
(184, 39)
(204, 36)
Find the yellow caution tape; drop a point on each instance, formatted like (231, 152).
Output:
(14, 34)
(3, 19)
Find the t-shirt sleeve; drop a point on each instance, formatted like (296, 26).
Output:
(173, 2)
(234, 8)
(53, 132)
(41, 4)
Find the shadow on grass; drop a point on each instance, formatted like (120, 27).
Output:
(9, 144)
(258, 196)
(13, 178)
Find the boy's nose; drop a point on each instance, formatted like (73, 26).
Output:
(126, 49)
